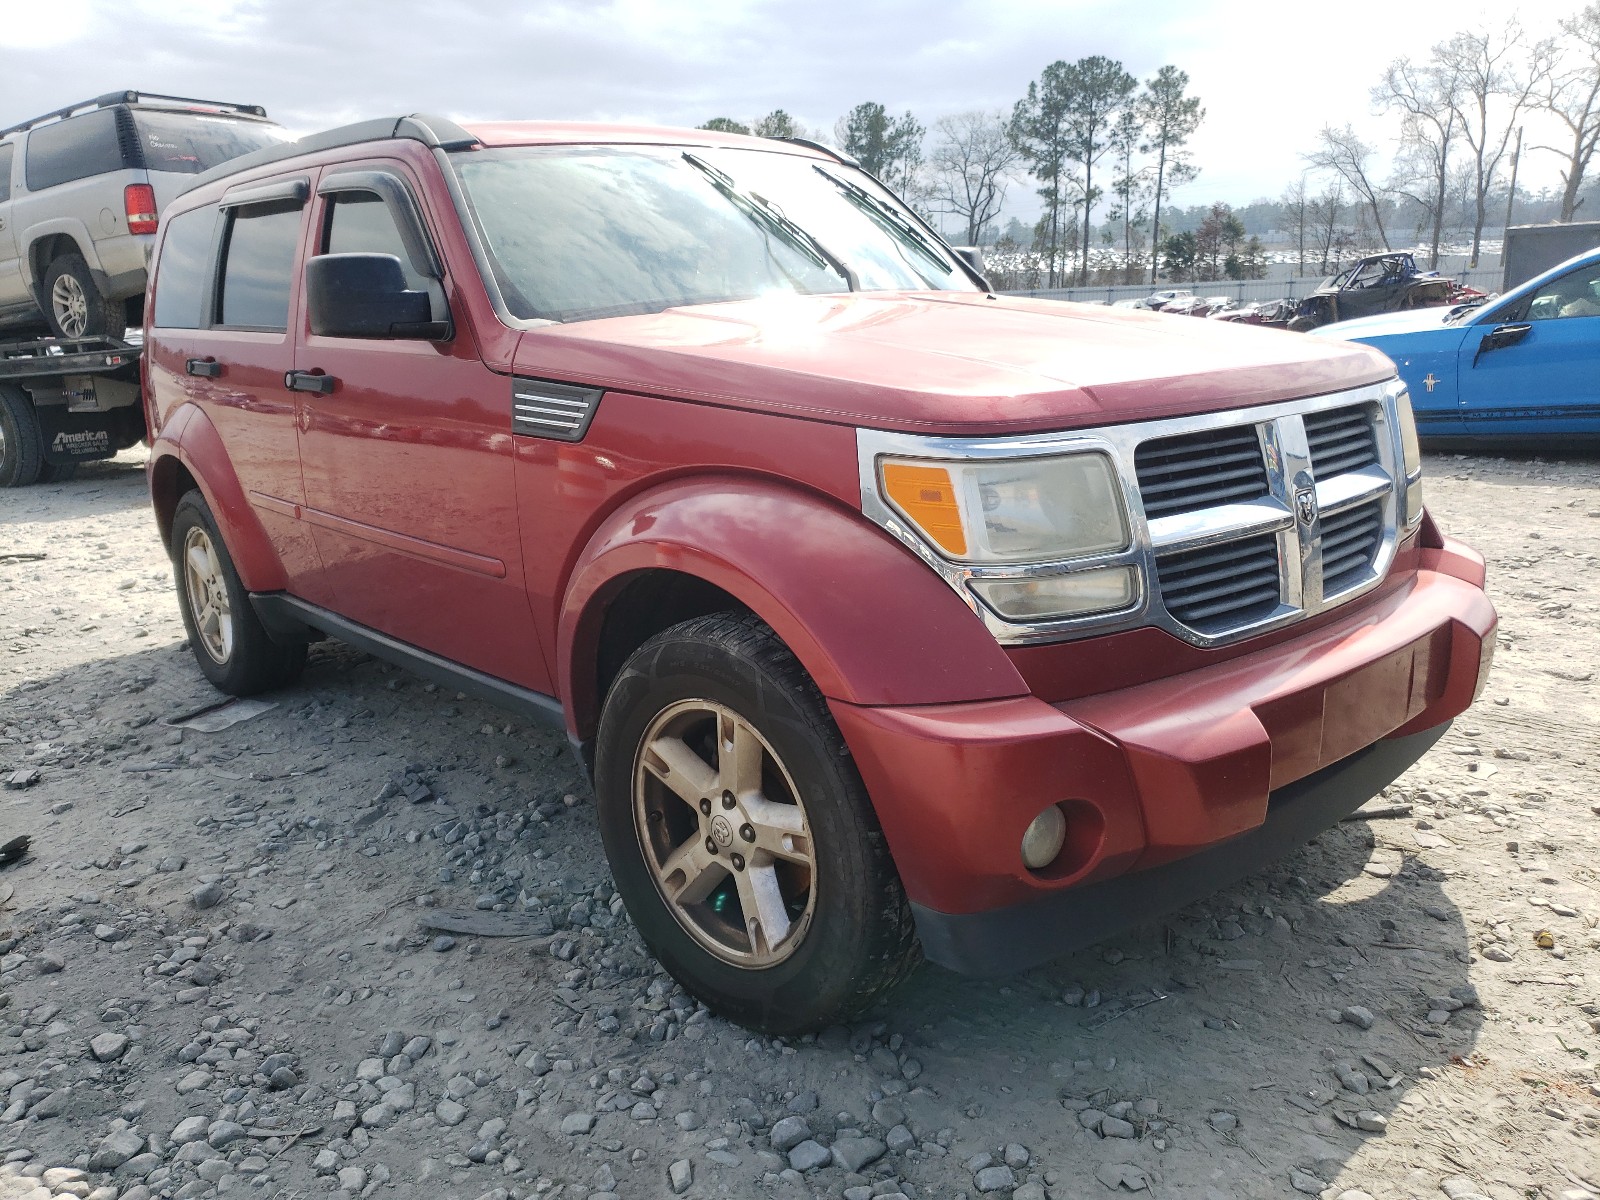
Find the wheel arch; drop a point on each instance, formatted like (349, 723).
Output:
(48, 240)
(189, 455)
(869, 622)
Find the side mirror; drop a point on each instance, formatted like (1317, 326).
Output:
(365, 296)
(973, 257)
(1500, 337)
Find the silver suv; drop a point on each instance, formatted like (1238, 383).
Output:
(80, 192)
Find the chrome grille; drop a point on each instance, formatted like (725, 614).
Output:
(1199, 470)
(1240, 522)
(1216, 587)
(1341, 440)
(1350, 541)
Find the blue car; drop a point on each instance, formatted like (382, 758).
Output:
(1523, 365)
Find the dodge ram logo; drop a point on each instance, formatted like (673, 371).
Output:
(721, 830)
(1305, 502)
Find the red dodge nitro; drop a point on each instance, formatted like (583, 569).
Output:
(892, 616)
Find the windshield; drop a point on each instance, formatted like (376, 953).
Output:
(189, 143)
(575, 233)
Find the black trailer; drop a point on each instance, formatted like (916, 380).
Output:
(64, 401)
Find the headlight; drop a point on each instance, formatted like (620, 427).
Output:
(1411, 459)
(1011, 511)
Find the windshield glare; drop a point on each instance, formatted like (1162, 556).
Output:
(580, 232)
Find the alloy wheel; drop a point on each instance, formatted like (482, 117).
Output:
(724, 833)
(207, 590)
(71, 306)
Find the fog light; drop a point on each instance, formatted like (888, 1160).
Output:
(1042, 842)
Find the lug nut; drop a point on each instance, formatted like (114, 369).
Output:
(711, 845)
(738, 862)
(727, 800)
(747, 832)
(705, 805)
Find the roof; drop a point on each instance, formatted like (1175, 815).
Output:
(443, 133)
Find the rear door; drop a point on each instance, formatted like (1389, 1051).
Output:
(408, 459)
(1548, 382)
(220, 339)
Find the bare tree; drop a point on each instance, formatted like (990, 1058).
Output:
(1326, 216)
(1500, 74)
(974, 159)
(1427, 98)
(1295, 212)
(1572, 93)
(1347, 156)
(1171, 117)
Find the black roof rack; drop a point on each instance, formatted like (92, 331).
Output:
(434, 132)
(133, 97)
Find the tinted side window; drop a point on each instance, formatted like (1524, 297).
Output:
(73, 149)
(360, 223)
(181, 279)
(257, 266)
(7, 149)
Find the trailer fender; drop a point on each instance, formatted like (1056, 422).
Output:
(189, 452)
(869, 621)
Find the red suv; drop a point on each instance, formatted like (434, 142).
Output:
(892, 616)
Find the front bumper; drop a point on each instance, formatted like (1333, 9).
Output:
(1157, 778)
(1004, 940)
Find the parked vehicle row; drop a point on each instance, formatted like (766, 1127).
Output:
(882, 639)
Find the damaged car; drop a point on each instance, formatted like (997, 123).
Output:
(1379, 283)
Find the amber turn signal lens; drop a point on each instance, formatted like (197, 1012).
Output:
(927, 497)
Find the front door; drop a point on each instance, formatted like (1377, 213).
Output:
(1548, 382)
(408, 459)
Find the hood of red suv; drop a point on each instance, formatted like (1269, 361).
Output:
(948, 362)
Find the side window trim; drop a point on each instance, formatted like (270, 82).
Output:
(279, 191)
(396, 197)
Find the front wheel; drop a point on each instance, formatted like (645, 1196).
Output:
(740, 835)
(228, 639)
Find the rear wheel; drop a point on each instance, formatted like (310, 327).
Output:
(75, 305)
(21, 450)
(228, 640)
(739, 832)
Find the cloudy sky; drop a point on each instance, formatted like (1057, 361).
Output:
(1269, 72)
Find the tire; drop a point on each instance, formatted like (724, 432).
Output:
(848, 935)
(75, 306)
(1302, 324)
(21, 449)
(228, 640)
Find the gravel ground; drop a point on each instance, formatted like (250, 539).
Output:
(216, 975)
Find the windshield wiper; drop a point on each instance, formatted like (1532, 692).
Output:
(886, 215)
(763, 212)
